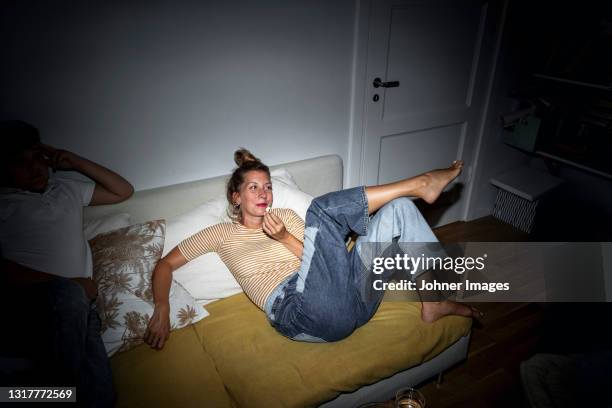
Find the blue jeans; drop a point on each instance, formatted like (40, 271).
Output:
(58, 329)
(332, 293)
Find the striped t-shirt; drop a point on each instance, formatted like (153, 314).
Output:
(258, 262)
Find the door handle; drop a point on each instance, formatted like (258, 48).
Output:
(379, 83)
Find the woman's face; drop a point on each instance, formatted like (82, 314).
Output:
(255, 194)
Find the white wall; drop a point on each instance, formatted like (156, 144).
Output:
(495, 157)
(163, 92)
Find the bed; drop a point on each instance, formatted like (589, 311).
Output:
(233, 358)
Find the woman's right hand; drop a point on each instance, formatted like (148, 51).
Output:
(158, 329)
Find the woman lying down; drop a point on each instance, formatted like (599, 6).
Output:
(301, 274)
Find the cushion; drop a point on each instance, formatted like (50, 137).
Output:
(207, 278)
(105, 224)
(287, 194)
(261, 368)
(123, 261)
(181, 374)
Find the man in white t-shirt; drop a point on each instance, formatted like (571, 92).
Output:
(48, 303)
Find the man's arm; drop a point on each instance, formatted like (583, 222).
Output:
(110, 187)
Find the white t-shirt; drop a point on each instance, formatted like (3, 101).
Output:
(45, 231)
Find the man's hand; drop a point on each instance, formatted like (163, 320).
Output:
(110, 187)
(158, 329)
(91, 290)
(274, 227)
(59, 159)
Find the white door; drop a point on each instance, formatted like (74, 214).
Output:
(435, 50)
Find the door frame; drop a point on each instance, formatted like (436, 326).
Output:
(359, 88)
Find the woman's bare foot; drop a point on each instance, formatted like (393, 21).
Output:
(432, 311)
(434, 181)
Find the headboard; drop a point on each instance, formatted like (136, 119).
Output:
(315, 176)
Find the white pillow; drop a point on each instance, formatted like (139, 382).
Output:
(283, 173)
(104, 224)
(206, 277)
(287, 194)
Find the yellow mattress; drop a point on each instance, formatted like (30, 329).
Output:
(261, 368)
(179, 375)
(235, 358)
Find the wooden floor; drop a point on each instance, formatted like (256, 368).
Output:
(508, 334)
(485, 229)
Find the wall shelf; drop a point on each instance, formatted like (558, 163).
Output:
(573, 82)
(578, 132)
(569, 162)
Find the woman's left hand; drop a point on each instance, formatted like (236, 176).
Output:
(274, 227)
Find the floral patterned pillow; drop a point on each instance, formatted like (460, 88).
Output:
(123, 262)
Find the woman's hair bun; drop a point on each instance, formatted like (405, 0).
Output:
(242, 156)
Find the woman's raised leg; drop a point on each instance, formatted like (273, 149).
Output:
(426, 186)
